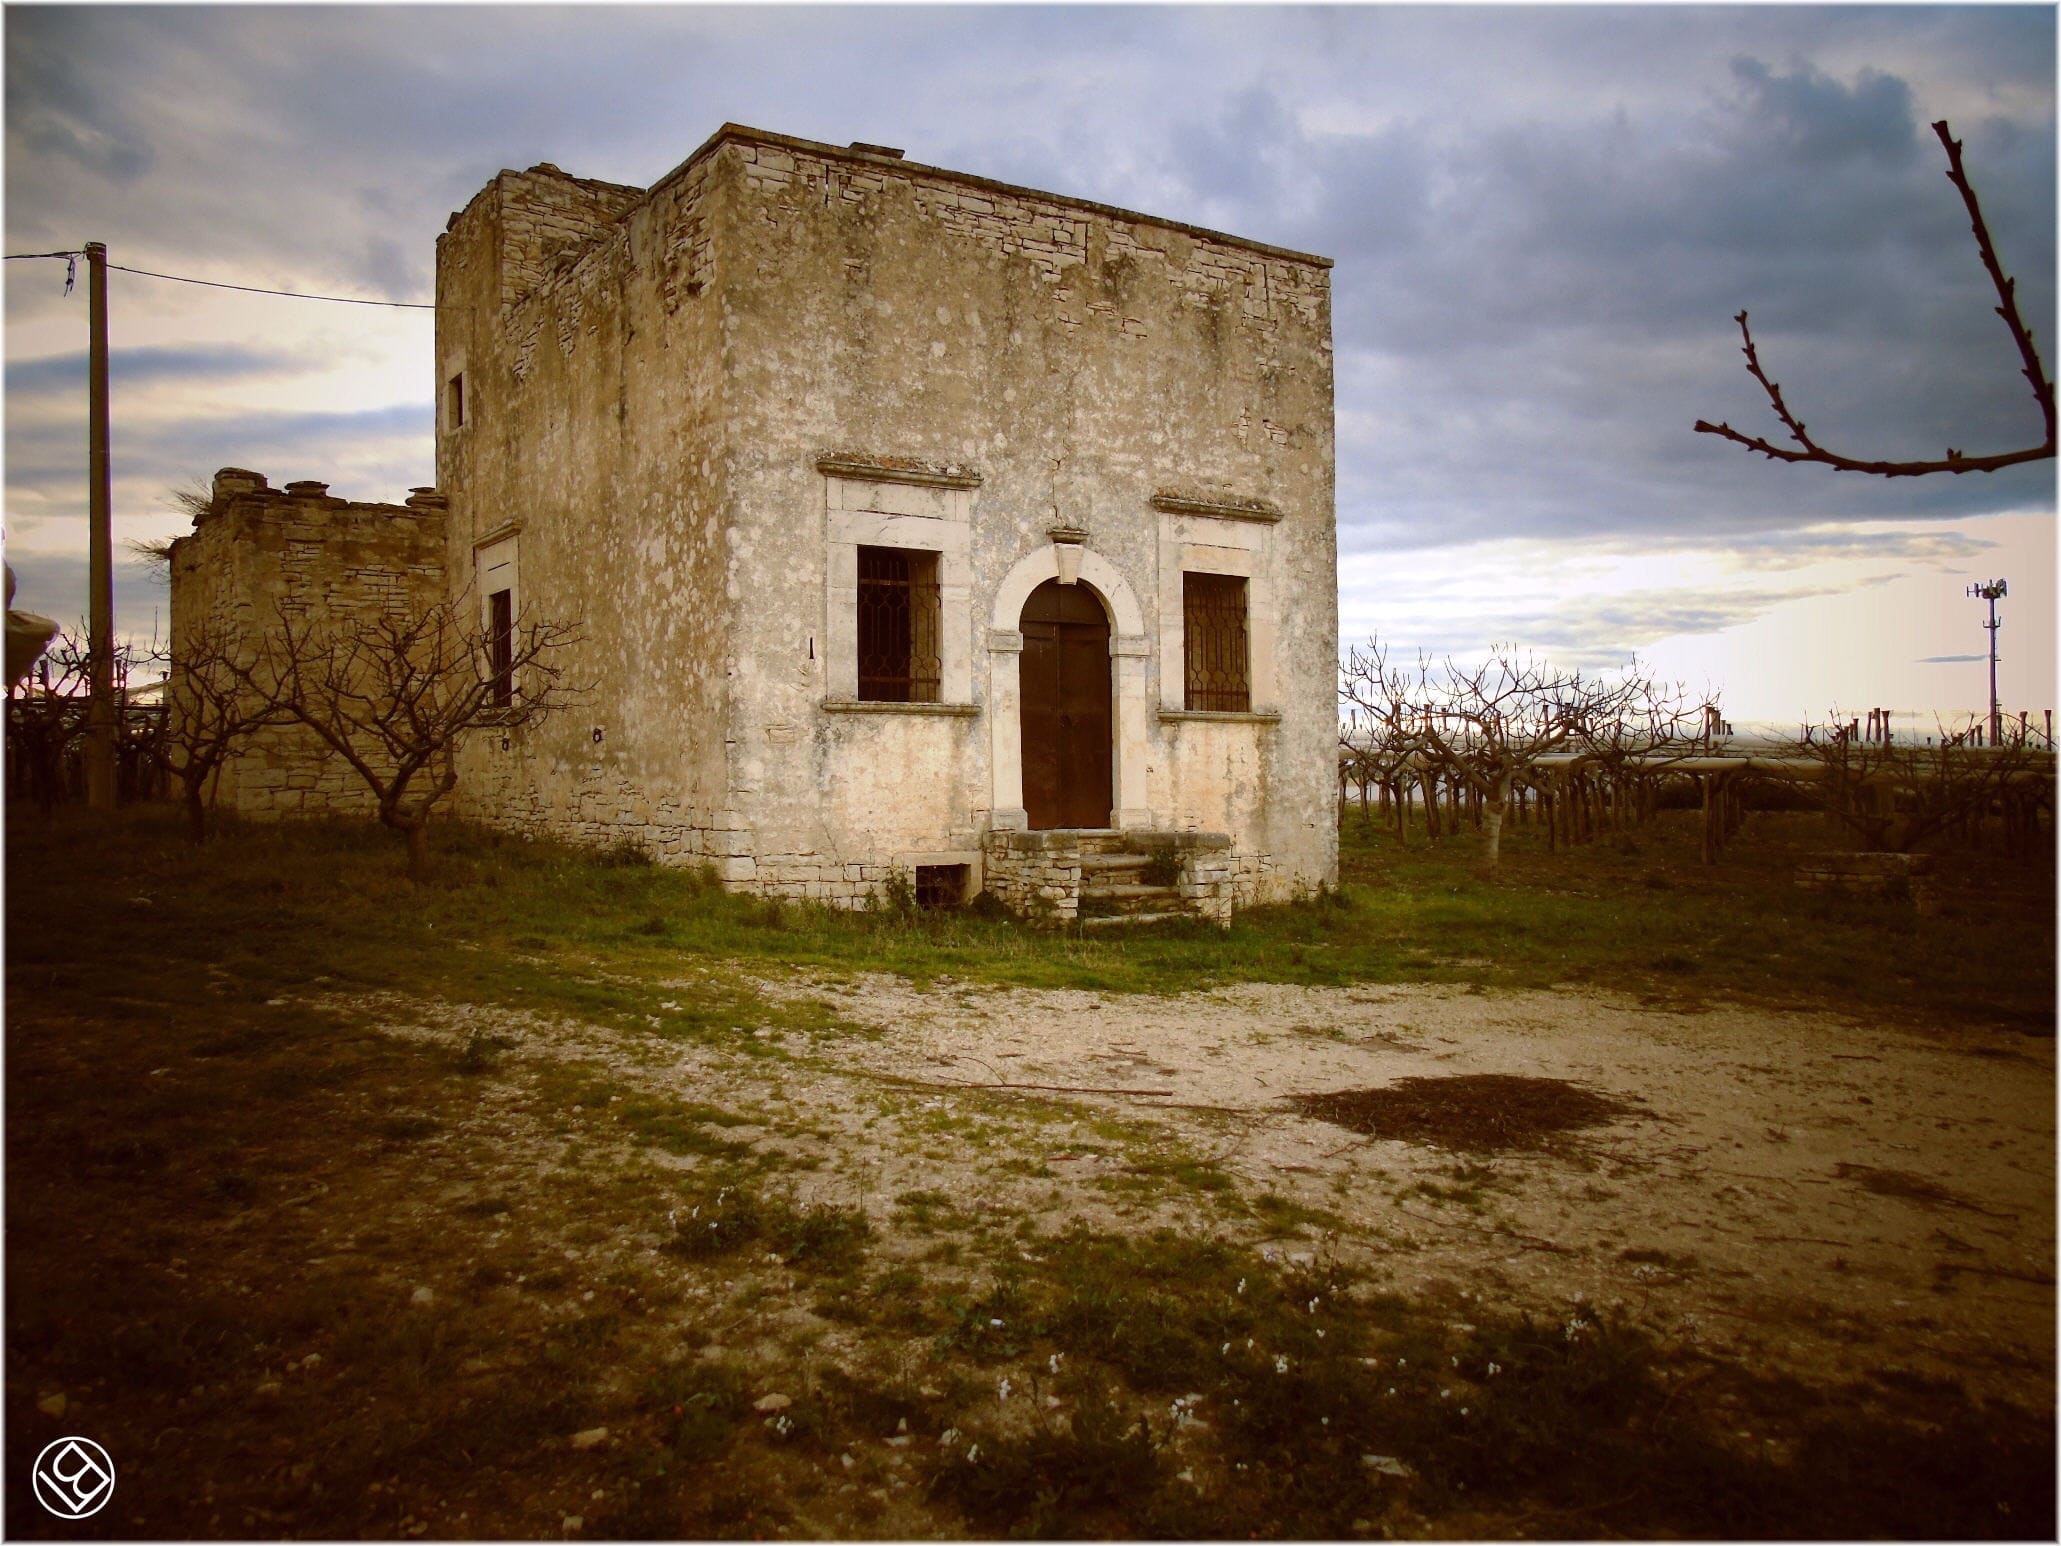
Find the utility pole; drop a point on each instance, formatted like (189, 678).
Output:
(100, 704)
(1990, 592)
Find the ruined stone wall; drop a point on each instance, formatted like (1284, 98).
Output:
(589, 456)
(261, 553)
(1167, 391)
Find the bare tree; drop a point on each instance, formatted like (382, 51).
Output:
(1488, 727)
(1808, 450)
(46, 715)
(1376, 740)
(1894, 798)
(212, 709)
(1495, 723)
(393, 695)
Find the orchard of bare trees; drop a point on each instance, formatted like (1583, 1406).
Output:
(1510, 738)
(1446, 745)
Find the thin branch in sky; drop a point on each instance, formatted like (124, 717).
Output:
(1808, 450)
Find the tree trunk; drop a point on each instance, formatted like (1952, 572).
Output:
(1492, 808)
(197, 810)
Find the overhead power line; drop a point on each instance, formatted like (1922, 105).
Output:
(216, 284)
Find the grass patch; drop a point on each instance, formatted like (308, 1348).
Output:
(268, 910)
(821, 1237)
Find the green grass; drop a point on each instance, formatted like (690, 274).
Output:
(266, 911)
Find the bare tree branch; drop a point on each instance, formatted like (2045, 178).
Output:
(1808, 450)
(1489, 727)
(211, 712)
(393, 695)
(1894, 798)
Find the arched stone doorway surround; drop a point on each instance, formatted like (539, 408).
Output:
(1128, 648)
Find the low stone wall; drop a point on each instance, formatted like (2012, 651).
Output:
(1209, 885)
(1036, 875)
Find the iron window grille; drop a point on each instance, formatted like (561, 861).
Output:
(501, 649)
(900, 660)
(1214, 653)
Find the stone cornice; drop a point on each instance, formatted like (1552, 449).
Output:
(1217, 509)
(740, 134)
(897, 469)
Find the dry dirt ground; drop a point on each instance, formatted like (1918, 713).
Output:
(1820, 1196)
(1826, 1195)
(440, 1289)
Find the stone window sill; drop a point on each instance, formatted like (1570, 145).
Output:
(857, 706)
(1212, 716)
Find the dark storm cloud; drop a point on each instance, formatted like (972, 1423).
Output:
(1559, 310)
(1544, 218)
(58, 114)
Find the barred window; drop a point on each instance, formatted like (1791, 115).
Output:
(899, 656)
(1213, 649)
(501, 649)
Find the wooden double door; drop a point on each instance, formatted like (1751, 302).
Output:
(1067, 704)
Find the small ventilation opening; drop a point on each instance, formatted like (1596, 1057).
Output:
(940, 885)
(458, 399)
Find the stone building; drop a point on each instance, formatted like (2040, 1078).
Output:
(915, 523)
(257, 553)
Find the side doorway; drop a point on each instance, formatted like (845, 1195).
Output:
(1067, 705)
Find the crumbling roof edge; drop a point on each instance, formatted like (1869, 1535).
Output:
(744, 134)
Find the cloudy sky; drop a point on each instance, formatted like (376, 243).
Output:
(1544, 220)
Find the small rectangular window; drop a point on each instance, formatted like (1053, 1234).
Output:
(1214, 654)
(501, 649)
(900, 658)
(458, 399)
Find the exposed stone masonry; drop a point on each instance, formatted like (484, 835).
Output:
(685, 412)
(259, 553)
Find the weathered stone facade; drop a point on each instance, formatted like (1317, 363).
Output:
(796, 410)
(258, 553)
(684, 416)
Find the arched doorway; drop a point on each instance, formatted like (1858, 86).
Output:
(1067, 713)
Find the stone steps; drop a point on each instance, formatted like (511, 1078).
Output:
(1109, 879)
(1133, 920)
(1126, 892)
(1096, 863)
